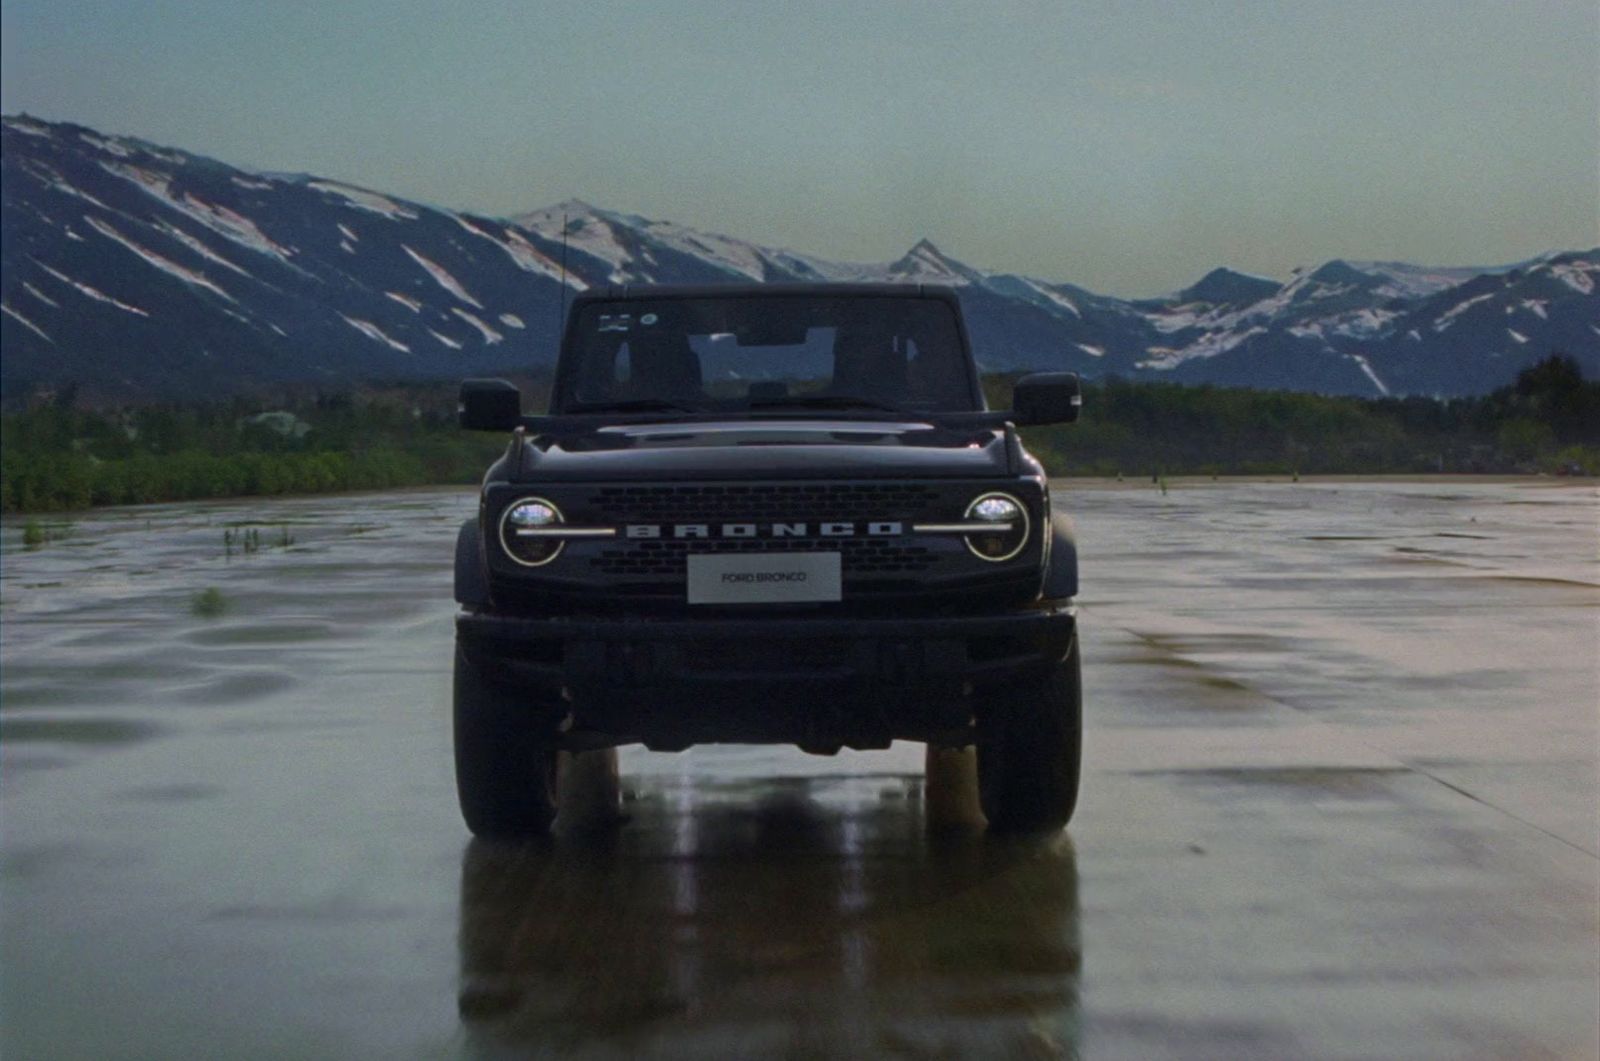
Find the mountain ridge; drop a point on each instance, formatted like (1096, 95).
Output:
(143, 272)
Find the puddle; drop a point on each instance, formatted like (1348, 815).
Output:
(174, 793)
(1314, 782)
(92, 731)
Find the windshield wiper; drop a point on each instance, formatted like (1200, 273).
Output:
(823, 401)
(632, 405)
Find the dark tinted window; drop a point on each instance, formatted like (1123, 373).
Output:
(737, 352)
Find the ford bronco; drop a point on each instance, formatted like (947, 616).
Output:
(766, 514)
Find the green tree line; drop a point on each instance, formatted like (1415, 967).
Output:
(1548, 421)
(55, 456)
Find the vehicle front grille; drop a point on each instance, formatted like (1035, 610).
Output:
(715, 502)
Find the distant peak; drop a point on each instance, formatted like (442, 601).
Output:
(925, 261)
(572, 208)
(1224, 285)
(1339, 271)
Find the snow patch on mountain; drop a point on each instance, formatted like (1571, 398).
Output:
(29, 127)
(582, 228)
(1403, 280)
(1220, 342)
(25, 322)
(232, 225)
(1366, 367)
(166, 265)
(735, 256)
(375, 333)
(40, 295)
(362, 199)
(110, 147)
(1363, 322)
(56, 182)
(91, 292)
(441, 276)
(1056, 297)
(1214, 319)
(1576, 275)
(225, 222)
(198, 247)
(1163, 358)
(531, 258)
(524, 254)
(1447, 318)
(490, 336)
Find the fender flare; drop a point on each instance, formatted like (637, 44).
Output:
(472, 578)
(1061, 581)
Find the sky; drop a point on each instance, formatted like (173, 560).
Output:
(1125, 146)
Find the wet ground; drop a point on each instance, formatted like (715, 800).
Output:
(1340, 800)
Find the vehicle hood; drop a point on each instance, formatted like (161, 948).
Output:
(774, 449)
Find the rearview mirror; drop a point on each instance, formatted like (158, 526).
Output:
(771, 333)
(1047, 398)
(489, 405)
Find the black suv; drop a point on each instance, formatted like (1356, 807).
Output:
(766, 514)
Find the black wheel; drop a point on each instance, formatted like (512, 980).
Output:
(506, 763)
(1029, 756)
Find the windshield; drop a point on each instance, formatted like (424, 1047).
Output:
(708, 354)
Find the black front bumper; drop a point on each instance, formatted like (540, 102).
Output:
(821, 681)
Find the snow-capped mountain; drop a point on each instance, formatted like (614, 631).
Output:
(138, 272)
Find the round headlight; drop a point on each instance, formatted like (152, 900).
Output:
(996, 509)
(1011, 525)
(533, 512)
(520, 527)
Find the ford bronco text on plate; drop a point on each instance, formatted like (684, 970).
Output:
(766, 514)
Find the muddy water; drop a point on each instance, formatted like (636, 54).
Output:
(1340, 800)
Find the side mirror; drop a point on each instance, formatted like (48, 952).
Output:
(489, 405)
(1047, 398)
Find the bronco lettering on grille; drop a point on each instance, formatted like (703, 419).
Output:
(879, 529)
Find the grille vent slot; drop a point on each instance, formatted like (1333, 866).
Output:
(859, 556)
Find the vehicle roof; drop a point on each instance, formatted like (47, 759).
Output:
(617, 292)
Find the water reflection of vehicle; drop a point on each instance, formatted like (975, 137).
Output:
(794, 926)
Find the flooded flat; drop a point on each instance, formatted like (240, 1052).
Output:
(1340, 800)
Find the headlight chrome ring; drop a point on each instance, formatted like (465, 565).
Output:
(998, 508)
(530, 513)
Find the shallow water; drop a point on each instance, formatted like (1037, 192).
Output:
(1340, 800)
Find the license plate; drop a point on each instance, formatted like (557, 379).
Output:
(763, 578)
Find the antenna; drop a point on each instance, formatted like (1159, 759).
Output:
(561, 315)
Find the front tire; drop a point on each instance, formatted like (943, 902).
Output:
(1029, 760)
(506, 760)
